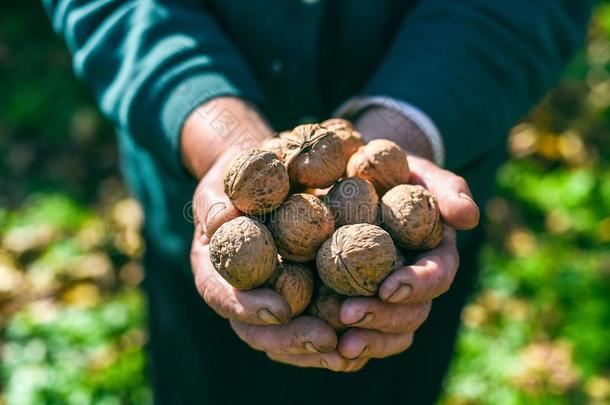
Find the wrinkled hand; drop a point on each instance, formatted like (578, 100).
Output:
(260, 317)
(384, 326)
(381, 326)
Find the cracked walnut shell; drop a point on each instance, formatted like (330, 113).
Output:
(411, 215)
(356, 259)
(243, 252)
(314, 156)
(256, 182)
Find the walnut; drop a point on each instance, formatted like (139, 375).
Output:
(318, 192)
(326, 305)
(314, 156)
(294, 282)
(350, 138)
(243, 252)
(356, 259)
(353, 201)
(276, 145)
(256, 182)
(382, 162)
(300, 225)
(411, 215)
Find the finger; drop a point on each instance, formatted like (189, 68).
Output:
(455, 201)
(212, 207)
(331, 361)
(360, 343)
(429, 277)
(303, 335)
(221, 211)
(261, 306)
(371, 313)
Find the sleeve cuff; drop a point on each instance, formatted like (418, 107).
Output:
(191, 94)
(356, 105)
(176, 101)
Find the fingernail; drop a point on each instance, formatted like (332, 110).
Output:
(366, 318)
(324, 363)
(365, 351)
(466, 197)
(267, 316)
(402, 293)
(311, 348)
(362, 353)
(475, 215)
(214, 211)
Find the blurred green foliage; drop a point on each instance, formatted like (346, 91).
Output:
(72, 318)
(537, 330)
(76, 355)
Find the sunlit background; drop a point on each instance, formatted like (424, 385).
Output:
(72, 323)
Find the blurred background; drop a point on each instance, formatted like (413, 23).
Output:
(72, 320)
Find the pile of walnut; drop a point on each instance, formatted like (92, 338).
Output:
(293, 225)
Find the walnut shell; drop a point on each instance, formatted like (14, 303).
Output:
(276, 145)
(411, 215)
(350, 138)
(337, 124)
(381, 162)
(314, 156)
(300, 225)
(256, 182)
(326, 305)
(294, 282)
(243, 252)
(356, 259)
(318, 192)
(353, 201)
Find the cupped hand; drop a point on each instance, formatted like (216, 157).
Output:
(384, 326)
(212, 208)
(260, 317)
(381, 326)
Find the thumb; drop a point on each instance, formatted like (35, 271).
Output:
(212, 208)
(451, 191)
(221, 210)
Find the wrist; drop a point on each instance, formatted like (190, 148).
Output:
(379, 122)
(218, 130)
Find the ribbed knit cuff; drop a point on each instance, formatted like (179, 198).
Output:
(354, 106)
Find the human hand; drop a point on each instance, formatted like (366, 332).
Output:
(384, 326)
(260, 317)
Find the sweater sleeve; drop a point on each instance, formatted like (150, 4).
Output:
(477, 66)
(151, 63)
